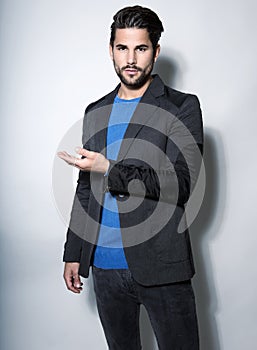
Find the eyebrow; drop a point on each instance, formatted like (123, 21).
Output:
(137, 47)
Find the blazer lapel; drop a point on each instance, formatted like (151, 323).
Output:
(146, 108)
(100, 117)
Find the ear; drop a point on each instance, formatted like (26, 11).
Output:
(157, 52)
(111, 51)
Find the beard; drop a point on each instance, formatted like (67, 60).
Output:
(145, 75)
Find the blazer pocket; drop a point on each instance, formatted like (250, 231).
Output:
(172, 248)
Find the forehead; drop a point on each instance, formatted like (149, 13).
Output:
(132, 36)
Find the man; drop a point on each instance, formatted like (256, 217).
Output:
(138, 167)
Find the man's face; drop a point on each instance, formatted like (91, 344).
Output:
(133, 56)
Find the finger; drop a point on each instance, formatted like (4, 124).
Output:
(70, 285)
(71, 160)
(64, 155)
(77, 282)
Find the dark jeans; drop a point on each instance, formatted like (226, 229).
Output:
(171, 310)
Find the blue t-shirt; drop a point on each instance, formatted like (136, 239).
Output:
(109, 253)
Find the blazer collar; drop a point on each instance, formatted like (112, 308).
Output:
(155, 89)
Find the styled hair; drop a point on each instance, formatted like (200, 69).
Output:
(137, 17)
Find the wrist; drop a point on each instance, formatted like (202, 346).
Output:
(106, 168)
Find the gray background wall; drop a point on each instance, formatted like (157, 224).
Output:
(54, 61)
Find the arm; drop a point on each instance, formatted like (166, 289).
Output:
(74, 242)
(176, 179)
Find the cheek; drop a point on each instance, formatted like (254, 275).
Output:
(117, 60)
(148, 61)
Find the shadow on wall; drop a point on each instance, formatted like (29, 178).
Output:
(204, 229)
(168, 70)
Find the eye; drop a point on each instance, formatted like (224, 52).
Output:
(121, 48)
(141, 49)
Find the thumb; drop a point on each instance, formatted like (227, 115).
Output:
(84, 152)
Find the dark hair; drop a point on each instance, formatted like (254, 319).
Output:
(137, 17)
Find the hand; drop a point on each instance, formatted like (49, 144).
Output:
(93, 161)
(71, 277)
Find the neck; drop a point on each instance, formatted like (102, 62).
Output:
(127, 93)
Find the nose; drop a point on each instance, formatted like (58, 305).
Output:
(131, 58)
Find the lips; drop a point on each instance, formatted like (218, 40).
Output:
(131, 71)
